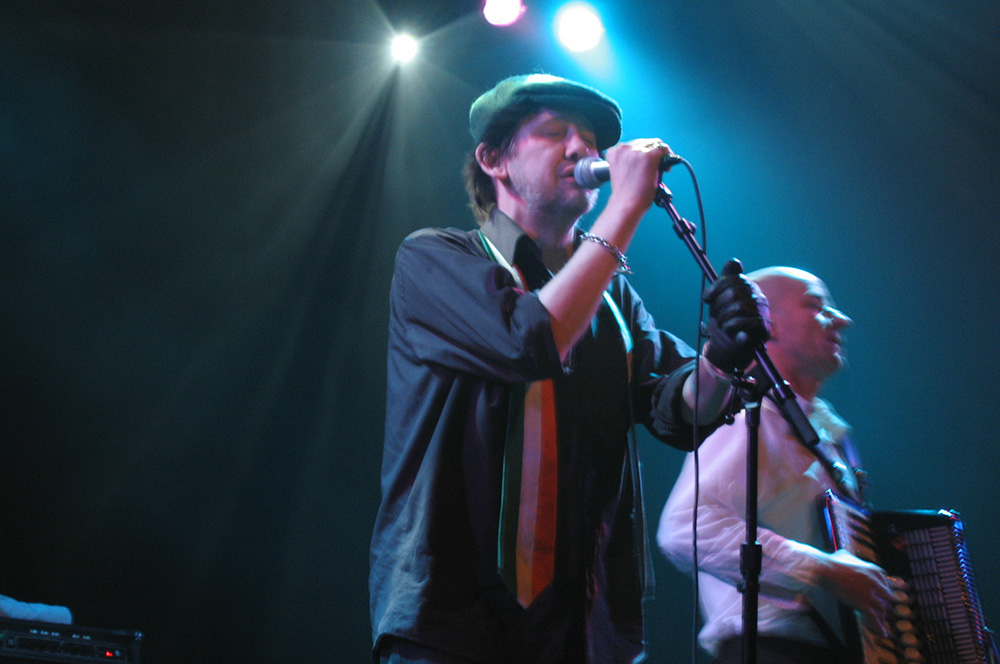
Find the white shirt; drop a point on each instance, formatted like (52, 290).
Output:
(791, 483)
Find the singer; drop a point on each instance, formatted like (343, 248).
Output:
(511, 527)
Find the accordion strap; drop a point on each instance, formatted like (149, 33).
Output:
(838, 471)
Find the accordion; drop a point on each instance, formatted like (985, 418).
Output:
(938, 617)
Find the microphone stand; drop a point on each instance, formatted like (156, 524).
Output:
(751, 551)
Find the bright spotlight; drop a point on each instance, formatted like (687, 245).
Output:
(578, 27)
(404, 48)
(502, 12)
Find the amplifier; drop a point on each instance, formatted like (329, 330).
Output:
(30, 642)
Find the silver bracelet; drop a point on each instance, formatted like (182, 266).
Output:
(623, 267)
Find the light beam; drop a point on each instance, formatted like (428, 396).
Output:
(579, 27)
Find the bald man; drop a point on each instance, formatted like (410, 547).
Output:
(801, 584)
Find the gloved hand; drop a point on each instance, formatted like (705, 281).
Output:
(738, 319)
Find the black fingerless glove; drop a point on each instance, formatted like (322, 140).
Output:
(738, 323)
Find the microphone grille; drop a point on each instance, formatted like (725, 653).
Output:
(586, 172)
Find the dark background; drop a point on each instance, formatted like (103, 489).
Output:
(200, 202)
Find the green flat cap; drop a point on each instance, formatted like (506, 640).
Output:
(535, 91)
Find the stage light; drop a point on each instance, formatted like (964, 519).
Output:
(502, 12)
(578, 27)
(404, 48)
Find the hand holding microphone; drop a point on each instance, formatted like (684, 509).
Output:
(634, 169)
(592, 172)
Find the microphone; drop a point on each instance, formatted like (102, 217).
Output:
(591, 172)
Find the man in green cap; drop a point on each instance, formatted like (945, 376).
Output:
(511, 527)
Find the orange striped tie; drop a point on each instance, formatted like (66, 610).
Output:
(527, 537)
(536, 519)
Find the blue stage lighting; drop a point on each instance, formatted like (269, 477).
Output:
(579, 27)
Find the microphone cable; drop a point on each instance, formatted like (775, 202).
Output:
(700, 341)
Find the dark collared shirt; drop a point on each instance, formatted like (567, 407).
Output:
(461, 335)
